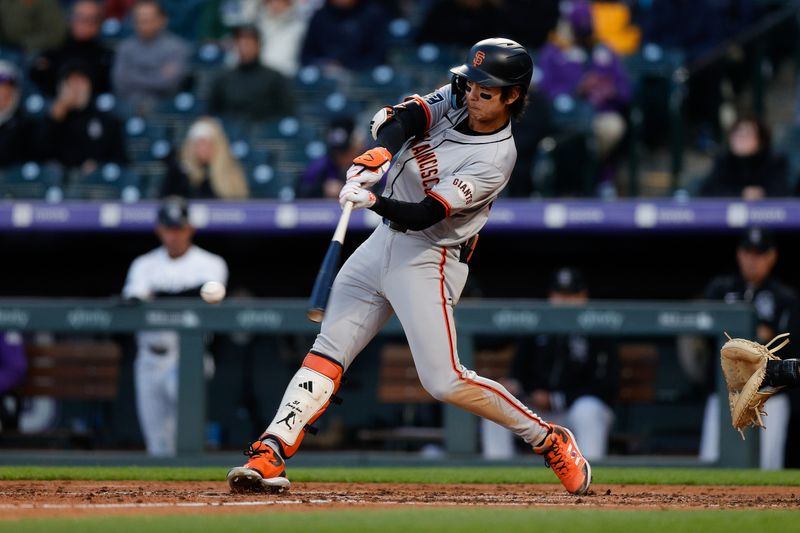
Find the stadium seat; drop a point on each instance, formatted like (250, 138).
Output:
(654, 60)
(32, 180)
(320, 111)
(571, 114)
(208, 54)
(787, 146)
(13, 55)
(175, 114)
(108, 103)
(382, 85)
(401, 32)
(285, 140)
(659, 77)
(311, 83)
(268, 181)
(140, 135)
(109, 181)
(35, 105)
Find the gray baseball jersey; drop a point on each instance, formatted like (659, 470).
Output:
(463, 172)
(419, 275)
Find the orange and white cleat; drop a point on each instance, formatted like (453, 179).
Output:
(265, 471)
(561, 454)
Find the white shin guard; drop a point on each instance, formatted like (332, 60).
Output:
(306, 395)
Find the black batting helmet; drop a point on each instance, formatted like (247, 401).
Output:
(495, 62)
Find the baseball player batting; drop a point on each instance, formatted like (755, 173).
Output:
(453, 153)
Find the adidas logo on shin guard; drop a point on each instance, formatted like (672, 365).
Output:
(308, 385)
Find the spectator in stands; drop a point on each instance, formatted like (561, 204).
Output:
(16, 129)
(205, 166)
(75, 133)
(83, 44)
(576, 64)
(283, 25)
(177, 268)
(152, 64)
(324, 177)
(568, 379)
(13, 367)
(748, 168)
(250, 91)
(346, 34)
(462, 22)
(772, 301)
(32, 25)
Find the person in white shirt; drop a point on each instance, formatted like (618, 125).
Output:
(176, 268)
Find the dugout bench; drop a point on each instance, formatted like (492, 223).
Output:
(193, 319)
(71, 370)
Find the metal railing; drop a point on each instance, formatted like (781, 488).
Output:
(193, 319)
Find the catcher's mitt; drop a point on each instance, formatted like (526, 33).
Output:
(744, 364)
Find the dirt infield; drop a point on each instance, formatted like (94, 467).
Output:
(20, 499)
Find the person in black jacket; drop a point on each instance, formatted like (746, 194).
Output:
(75, 133)
(82, 44)
(748, 169)
(250, 91)
(16, 129)
(346, 35)
(571, 379)
(773, 302)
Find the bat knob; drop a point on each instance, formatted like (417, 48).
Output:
(315, 315)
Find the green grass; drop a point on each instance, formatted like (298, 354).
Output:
(533, 474)
(428, 519)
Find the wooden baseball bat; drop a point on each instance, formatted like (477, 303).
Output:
(328, 269)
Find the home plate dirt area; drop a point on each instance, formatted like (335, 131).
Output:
(41, 499)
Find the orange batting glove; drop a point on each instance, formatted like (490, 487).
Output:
(368, 168)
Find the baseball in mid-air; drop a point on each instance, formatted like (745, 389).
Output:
(212, 292)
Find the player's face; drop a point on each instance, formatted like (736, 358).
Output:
(248, 47)
(755, 266)
(176, 240)
(487, 109)
(85, 21)
(203, 150)
(148, 21)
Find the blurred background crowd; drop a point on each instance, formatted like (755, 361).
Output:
(132, 100)
(99, 99)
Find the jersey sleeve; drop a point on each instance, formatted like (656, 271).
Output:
(136, 285)
(218, 271)
(436, 104)
(473, 186)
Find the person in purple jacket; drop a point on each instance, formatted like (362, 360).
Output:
(575, 64)
(13, 367)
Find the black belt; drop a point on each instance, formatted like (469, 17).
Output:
(466, 249)
(394, 226)
(157, 349)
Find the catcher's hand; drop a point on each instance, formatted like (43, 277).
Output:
(744, 365)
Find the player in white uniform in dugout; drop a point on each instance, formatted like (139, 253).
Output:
(446, 156)
(176, 268)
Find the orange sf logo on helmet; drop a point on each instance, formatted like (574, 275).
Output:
(478, 59)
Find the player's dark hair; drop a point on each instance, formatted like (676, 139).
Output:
(517, 108)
